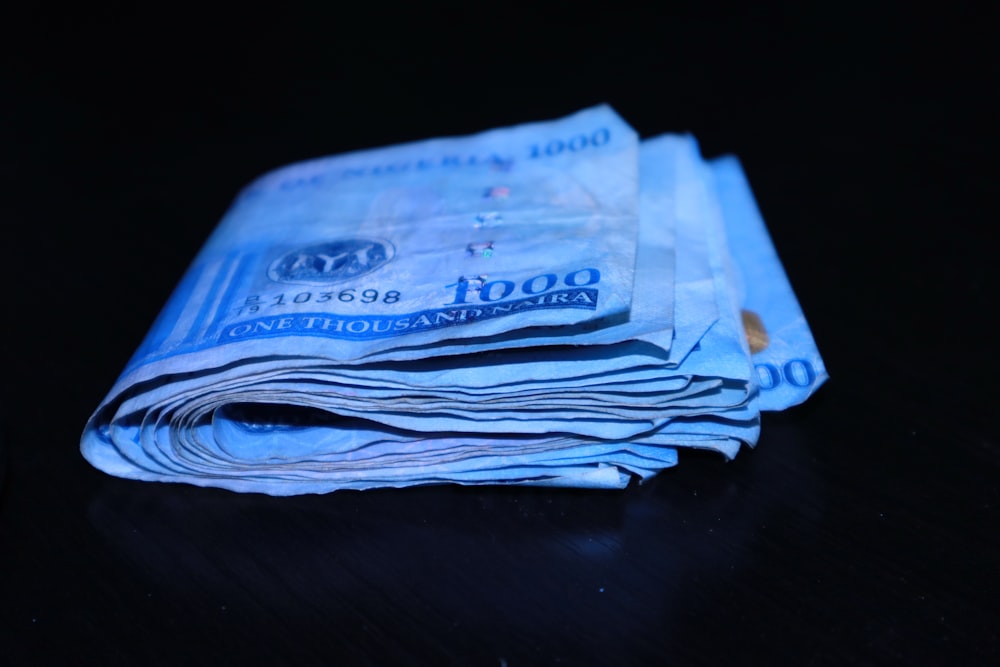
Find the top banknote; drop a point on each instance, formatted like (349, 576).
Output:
(344, 257)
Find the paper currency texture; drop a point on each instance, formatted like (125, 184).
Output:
(547, 304)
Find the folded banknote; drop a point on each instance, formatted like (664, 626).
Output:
(554, 304)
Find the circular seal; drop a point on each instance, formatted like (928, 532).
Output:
(331, 261)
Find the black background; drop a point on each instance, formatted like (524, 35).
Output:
(863, 528)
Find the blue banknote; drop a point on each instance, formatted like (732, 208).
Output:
(787, 363)
(347, 256)
(532, 373)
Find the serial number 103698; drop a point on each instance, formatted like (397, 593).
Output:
(257, 303)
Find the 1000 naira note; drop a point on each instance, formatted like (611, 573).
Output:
(546, 304)
(361, 253)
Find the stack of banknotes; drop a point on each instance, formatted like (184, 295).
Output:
(550, 304)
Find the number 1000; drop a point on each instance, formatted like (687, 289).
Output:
(573, 145)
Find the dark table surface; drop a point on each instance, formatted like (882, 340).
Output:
(862, 529)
